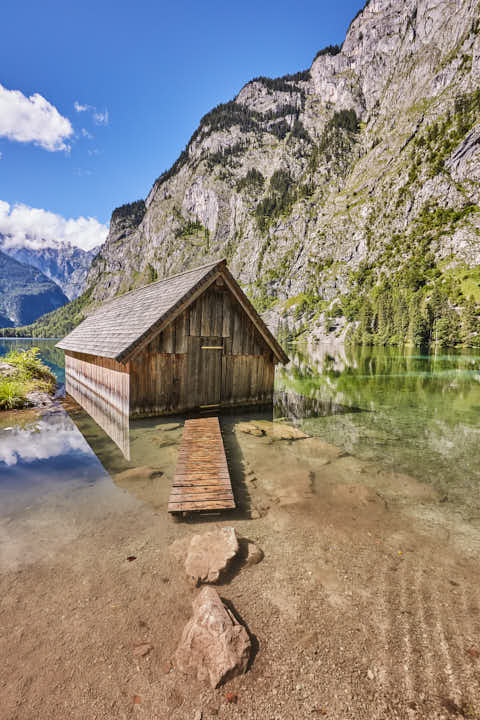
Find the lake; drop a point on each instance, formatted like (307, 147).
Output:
(368, 595)
(407, 412)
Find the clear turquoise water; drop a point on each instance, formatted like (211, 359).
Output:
(412, 413)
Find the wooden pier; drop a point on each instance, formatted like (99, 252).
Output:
(202, 480)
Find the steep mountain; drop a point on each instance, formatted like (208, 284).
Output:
(344, 196)
(63, 263)
(25, 293)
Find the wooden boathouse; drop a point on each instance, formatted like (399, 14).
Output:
(189, 341)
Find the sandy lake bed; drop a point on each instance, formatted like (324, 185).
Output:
(366, 604)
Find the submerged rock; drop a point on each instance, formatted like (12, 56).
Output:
(214, 646)
(210, 554)
(274, 430)
(138, 473)
(162, 442)
(281, 431)
(168, 427)
(250, 428)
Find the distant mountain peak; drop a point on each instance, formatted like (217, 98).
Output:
(63, 263)
(25, 293)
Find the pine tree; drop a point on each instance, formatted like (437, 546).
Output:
(447, 329)
(400, 318)
(469, 322)
(418, 330)
(364, 333)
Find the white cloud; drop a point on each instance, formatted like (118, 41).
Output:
(81, 108)
(36, 228)
(32, 119)
(100, 118)
(86, 134)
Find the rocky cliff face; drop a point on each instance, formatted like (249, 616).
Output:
(321, 186)
(25, 293)
(66, 265)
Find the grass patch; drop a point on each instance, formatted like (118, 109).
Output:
(13, 394)
(29, 374)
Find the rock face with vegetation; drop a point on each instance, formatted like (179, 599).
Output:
(25, 293)
(345, 197)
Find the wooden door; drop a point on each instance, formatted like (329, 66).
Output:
(205, 370)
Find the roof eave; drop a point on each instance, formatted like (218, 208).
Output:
(269, 338)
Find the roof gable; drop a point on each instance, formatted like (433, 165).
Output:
(123, 326)
(119, 324)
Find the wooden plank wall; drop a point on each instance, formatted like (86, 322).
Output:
(101, 387)
(171, 374)
(247, 379)
(158, 383)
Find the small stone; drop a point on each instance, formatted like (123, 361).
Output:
(7, 370)
(370, 674)
(214, 646)
(142, 650)
(166, 667)
(253, 554)
(254, 514)
(309, 640)
(210, 554)
(198, 715)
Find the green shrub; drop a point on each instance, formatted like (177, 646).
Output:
(12, 394)
(30, 368)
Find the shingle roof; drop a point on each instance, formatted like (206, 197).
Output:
(116, 326)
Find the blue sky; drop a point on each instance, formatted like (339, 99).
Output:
(146, 72)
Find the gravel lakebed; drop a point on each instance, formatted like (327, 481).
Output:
(366, 603)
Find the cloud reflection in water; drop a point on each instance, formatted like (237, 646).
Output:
(49, 437)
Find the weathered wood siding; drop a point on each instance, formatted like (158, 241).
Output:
(212, 354)
(101, 386)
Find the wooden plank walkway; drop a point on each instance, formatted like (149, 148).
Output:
(202, 480)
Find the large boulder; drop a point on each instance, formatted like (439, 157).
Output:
(214, 646)
(210, 554)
